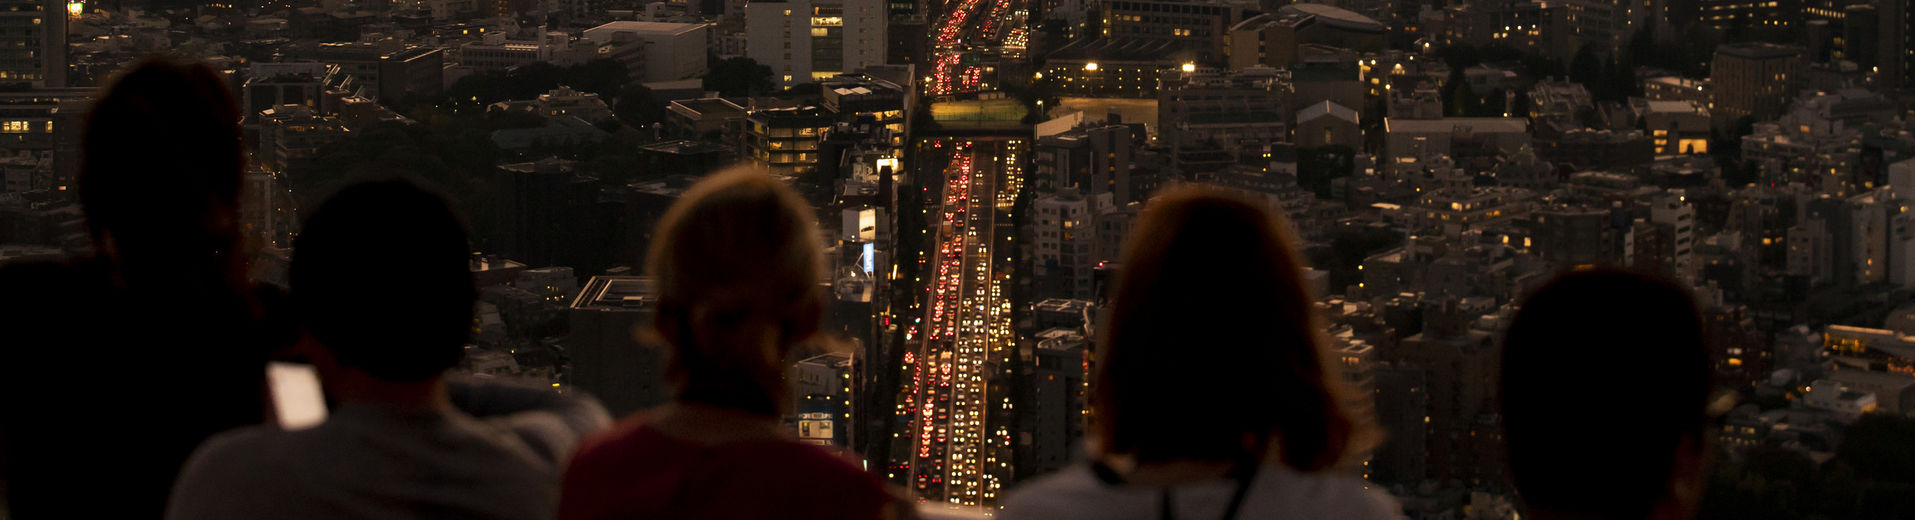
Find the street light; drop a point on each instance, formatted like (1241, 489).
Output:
(1190, 67)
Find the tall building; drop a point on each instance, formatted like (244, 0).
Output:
(1673, 211)
(45, 124)
(804, 41)
(1753, 80)
(607, 358)
(821, 399)
(1276, 39)
(1606, 23)
(416, 72)
(1202, 25)
(1861, 37)
(1057, 403)
(1062, 238)
(1897, 50)
(1095, 160)
(290, 135)
(671, 51)
(1247, 108)
(270, 85)
(33, 43)
(1460, 365)
(786, 139)
(1724, 15)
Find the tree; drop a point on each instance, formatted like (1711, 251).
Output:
(638, 107)
(1463, 101)
(601, 76)
(733, 77)
(1586, 67)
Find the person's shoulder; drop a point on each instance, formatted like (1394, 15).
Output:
(623, 435)
(250, 445)
(1344, 495)
(1068, 493)
(243, 458)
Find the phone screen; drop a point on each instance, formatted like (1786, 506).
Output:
(297, 398)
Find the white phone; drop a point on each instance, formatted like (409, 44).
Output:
(298, 400)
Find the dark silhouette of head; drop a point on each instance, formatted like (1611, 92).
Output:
(1212, 350)
(1605, 391)
(161, 173)
(737, 263)
(381, 279)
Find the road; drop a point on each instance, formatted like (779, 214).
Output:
(961, 439)
(956, 400)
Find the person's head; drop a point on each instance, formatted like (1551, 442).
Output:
(1211, 350)
(737, 263)
(1606, 379)
(381, 279)
(161, 171)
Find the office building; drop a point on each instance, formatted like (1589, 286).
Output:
(608, 360)
(1094, 160)
(1061, 256)
(292, 135)
(270, 85)
(670, 52)
(1202, 25)
(1753, 80)
(786, 140)
(1058, 399)
(1415, 141)
(805, 41)
(417, 73)
(33, 46)
(821, 399)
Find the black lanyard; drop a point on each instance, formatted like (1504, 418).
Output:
(1244, 473)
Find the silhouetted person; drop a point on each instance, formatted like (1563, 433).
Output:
(1213, 396)
(382, 287)
(1606, 385)
(737, 264)
(118, 363)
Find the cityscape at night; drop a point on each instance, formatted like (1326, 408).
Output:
(976, 177)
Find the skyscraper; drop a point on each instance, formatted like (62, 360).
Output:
(805, 41)
(1898, 42)
(1753, 80)
(33, 42)
(607, 358)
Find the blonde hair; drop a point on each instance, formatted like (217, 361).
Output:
(737, 262)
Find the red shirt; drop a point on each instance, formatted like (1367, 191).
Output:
(634, 471)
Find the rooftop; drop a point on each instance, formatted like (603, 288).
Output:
(1327, 108)
(1481, 125)
(1758, 50)
(1336, 17)
(615, 293)
(649, 28)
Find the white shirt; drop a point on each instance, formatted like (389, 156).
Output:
(1277, 492)
(370, 461)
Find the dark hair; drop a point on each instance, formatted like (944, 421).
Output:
(381, 277)
(1605, 375)
(1211, 341)
(737, 262)
(161, 171)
